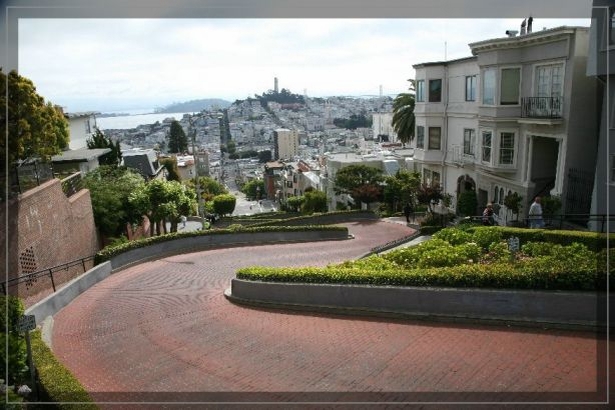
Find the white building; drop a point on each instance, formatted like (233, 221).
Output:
(286, 143)
(382, 126)
(518, 116)
(81, 128)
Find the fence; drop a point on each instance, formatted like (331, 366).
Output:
(34, 286)
(72, 184)
(27, 176)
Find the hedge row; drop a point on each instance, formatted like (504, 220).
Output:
(56, 381)
(111, 251)
(499, 276)
(594, 241)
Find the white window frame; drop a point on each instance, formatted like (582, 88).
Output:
(422, 140)
(471, 96)
(495, 86)
(429, 90)
(427, 176)
(472, 142)
(482, 146)
(420, 90)
(429, 139)
(515, 135)
(499, 85)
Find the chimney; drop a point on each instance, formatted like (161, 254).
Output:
(523, 27)
(529, 24)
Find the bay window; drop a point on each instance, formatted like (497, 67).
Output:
(420, 136)
(486, 146)
(509, 86)
(507, 148)
(434, 138)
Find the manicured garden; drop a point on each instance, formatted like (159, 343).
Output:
(480, 257)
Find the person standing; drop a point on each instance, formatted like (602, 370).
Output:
(535, 214)
(408, 212)
(488, 214)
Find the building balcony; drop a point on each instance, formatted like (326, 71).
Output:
(548, 108)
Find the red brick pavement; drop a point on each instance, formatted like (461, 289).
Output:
(162, 331)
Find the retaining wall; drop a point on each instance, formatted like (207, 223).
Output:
(555, 308)
(63, 296)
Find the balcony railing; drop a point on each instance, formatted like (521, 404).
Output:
(541, 107)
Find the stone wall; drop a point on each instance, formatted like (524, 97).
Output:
(46, 229)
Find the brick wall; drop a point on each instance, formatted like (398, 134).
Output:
(46, 229)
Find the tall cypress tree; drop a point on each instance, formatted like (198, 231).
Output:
(100, 140)
(178, 141)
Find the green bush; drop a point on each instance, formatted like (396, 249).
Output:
(453, 236)
(13, 342)
(467, 203)
(111, 251)
(484, 236)
(536, 275)
(486, 263)
(57, 382)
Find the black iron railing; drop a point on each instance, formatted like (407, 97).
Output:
(30, 278)
(72, 184)
(541, 107)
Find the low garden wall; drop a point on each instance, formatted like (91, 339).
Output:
(203, 242)
(56, 301)
(548, 308)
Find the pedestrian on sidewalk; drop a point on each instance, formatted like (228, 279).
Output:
(183, 219)
(408, 212)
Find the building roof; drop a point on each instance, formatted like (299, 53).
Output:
(80, 155)
(435, 63)
(71, 115)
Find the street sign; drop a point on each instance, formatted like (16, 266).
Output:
(513, 244)
(26, 323)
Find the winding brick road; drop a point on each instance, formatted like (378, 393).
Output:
(162, 331)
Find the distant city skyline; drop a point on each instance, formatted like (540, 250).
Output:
(112, 65)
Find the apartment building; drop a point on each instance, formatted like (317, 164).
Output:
(286, 143)
(81, 128)
(382, 127)
(519, 115)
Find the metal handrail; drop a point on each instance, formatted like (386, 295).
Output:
(45, 272)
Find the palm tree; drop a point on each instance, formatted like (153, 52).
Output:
(403, 115)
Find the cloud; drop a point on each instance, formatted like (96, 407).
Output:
(156, 61)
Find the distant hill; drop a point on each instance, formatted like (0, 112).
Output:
(194, 105)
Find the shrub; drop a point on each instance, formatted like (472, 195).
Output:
(498, 252)
(453, 236)
(467, 203)
(57, 382)
(486, 235)
(12, 342)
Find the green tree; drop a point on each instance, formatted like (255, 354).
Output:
(178, 141)
(315, 201)
(403, 115)
(294, 203)
(209, 187)
(467, 203)
(170, 165)
(110, 188)
(362, 182)
(36, 129)
(401, 188)
(224, 204)
(100, 140)
(160, 201)
(254, 188)
(429, 194)
(12, 342)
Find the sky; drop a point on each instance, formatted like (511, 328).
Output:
(119, 64)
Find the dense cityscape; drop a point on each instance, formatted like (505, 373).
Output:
(447, 244)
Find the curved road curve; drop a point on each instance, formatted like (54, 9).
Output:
(163, 331)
